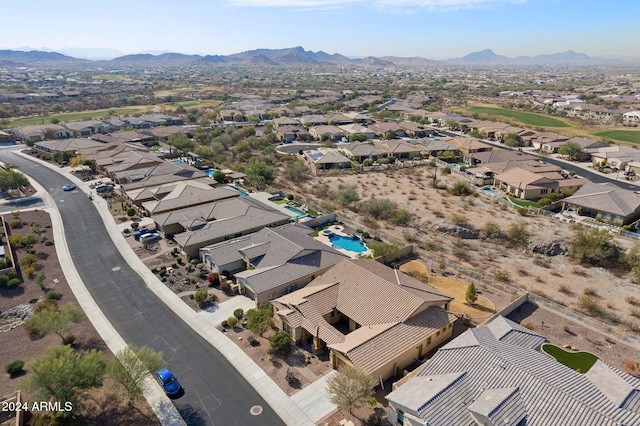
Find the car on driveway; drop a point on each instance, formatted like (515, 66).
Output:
(105, 187)
(150, 237)
(168, 381)
(69, 187)
(141, 231)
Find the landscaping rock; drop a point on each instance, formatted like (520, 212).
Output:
(549, 248)
(459, 231)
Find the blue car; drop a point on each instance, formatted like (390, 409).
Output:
(69, 187)
(168, 381)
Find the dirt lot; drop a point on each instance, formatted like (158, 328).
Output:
(15, 344)
(412, 189)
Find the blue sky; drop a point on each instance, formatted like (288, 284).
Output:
(434, 29)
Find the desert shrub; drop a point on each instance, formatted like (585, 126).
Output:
(590, 305)
(224, 323)
(14, 367)
(238, 313)
(400, 217)
(29, 270)
(69, 340)
(631, 367)
(502, 276)
(28, 260)
(131, 211)
(253, 341)
(40, 277)
(565, 289)
(632, 301)
(446, 170)
(590, 291)
(518, 234)
(459, 220)
(523, 211)
(17, 223)
(281, 342)
(200, 296)
(544, 202)
(4, 279)
(232, 321)
(13, 283)
(135, 225)
(55, 295)
(224, 286)
(48, 243)
(213, 278)
(592, 247)
(460, 188)
(491, 231)
(461, 251)
(291, 378)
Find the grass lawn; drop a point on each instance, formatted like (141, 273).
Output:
(527, 118)
(524, 203)
(579, 361)
(382, 249)
(77, 116)
(632, 136)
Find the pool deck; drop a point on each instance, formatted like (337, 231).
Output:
(339, 230)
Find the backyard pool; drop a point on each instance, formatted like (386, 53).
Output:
(348, 243)
(491, 192)
(297, 212)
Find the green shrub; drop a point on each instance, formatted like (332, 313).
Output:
(48, 243)
(135, 225)
(281, 342)
(224, 286)
(69, 340)
(14, 367)
(460, 188)
(200, 296)
(4, 279)
(54, 295)
(28, 260)
(13, 283)
(253, 341)
(523, 211)
(238, 313)
(544, 202)
(224, 323)
(131, 212)
(232, 321)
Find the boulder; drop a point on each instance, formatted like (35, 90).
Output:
(459, 231)
(549, 248)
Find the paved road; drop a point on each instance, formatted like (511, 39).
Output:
(215, 393)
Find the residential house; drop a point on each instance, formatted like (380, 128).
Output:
(162, 120)
(615, 156)
(87, 128)
(285, 121)
(586, 146)
(325, 159)
(469, 145)
(606, 202)
(292, 133)
(490, 128)
(436, 147)
(540, 138)
(165, 132)
(157, 175)
(415, 130)
(230, 219)
(387, 130)
(328, 132)
(66, 145)
(40, 132)
(496, 375)
(357, 129)
(313, 120)
(120, 157)
(144, 137)
(338, 119)
(5, 137)
(135, 123)
(232, 116)
(360, 151)
(359, 118)
(631, 117)
(497, 156)
(273, 261)
(528, 185)
(367, 315)
(153, 193)
(187, 194)
(401, 149)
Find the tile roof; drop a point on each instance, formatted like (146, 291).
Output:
(503, 380)
(188, 193)
(605, 197)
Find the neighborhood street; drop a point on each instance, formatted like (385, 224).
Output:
(215, 393)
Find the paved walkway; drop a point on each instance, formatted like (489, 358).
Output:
(302, 409)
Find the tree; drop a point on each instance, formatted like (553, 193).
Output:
(200, 296)
(131, 367)
(55, 320)
(182, 142)
(281, 342)
(259, 174)
(471, 295)
(570, 150)
(592, 247)
(259, 320)
(460, 188)
(219, 176)
(350, 388)
(77, 161)
(64, 376)
(518, 234)
(512, 140)
(347, 195)
(296, 171)
(378, 208)
(12, 179)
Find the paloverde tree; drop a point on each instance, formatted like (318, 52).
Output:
(512, 140)
(64, 376)
(131, 366)
(471, 295)
(55, 320)
(570, 150)
(347, 195)
(350, 388)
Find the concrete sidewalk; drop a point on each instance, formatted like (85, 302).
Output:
(204, 323)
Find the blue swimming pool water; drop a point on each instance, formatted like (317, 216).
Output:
(348, 243)
(297, 212)
(490, 191)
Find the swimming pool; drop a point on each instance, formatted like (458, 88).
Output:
(491, 192)
(297, 212)
(348, 243)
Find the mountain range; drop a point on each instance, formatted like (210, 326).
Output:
(297, 56)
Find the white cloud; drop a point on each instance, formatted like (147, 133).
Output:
(405, 5)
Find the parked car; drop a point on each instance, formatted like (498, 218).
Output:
(69, 187)
(168, 381)
(141, 231)
(150, 237)
(105, 187)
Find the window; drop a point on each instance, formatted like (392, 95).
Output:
(544, 191)
(400, 418)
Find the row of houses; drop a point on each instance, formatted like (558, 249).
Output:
(87, 128)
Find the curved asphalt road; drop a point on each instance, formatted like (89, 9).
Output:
(215, 393)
